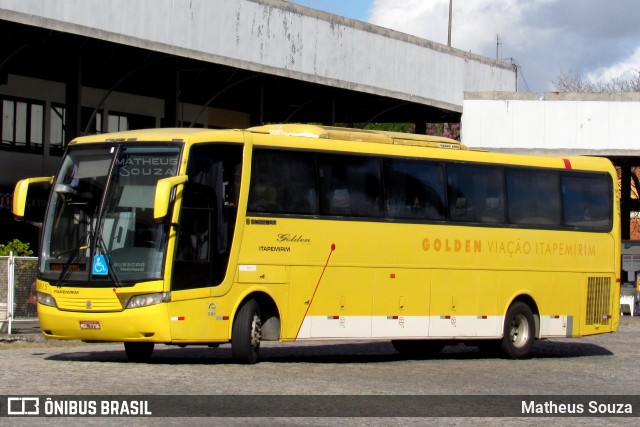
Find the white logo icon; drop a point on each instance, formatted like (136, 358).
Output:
(23, 406)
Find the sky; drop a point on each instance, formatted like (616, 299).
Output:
(595, 39)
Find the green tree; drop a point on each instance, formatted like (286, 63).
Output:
(392, 127)
(17, 247)
(24, 276)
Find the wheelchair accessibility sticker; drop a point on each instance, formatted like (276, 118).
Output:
(99, 266)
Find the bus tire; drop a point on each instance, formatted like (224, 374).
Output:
(519, 331)
(247, 333)
(139, 351)
(418, 347)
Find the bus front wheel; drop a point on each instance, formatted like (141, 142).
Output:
(138, 351)
(247, 333)
(519, 331)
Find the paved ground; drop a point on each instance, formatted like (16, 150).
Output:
(597, 365)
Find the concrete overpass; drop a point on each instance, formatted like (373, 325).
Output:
(70, 67)
(272, 59)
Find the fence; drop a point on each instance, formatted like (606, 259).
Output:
(17, 291)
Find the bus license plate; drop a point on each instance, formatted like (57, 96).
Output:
(89, 324)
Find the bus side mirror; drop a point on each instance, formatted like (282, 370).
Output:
(163, 195)
(20, 194)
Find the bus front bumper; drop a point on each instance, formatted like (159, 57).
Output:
(148, 324)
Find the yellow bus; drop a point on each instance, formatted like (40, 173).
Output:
(302, 232)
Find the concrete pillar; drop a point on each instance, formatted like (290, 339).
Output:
(625, 201)
(171, 99)
(73, 97)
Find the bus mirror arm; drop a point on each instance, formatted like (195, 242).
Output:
(163, 195)
(20, 194)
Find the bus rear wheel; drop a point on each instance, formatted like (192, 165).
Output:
(519, 331)
(139, 351)
(247, 333)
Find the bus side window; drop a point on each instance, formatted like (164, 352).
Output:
(460, 204)
(193, 240)
(586, 200)
(263, 198)
(283, 182)
(533, 197)
(414, 189)
(476, 193)
(208, 215)
(350, 185)
(193, 266)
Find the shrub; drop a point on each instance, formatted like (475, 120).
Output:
(17, 247)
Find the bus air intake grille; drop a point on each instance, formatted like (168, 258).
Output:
(91, 304)
(598, 301)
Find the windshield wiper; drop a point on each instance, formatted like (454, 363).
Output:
(77, 248)
(96, 235)
(64, 273)
(102, 248)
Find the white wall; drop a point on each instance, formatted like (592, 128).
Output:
(606, 124)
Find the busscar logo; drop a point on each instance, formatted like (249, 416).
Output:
(23, 406)
(252, 221)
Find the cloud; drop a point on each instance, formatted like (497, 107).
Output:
(621, 70)
(544, 37)
(476, 23)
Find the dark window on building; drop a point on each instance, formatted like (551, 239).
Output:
(57, 134)
(22, 124)
(116, 121)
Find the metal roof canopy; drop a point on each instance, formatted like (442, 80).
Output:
(51, 55)
(276, 60)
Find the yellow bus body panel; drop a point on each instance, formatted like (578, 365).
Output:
(331, 278)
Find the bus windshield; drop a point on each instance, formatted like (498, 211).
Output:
(99, 226)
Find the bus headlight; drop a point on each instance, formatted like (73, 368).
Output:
(149, 299)
(46, 299)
